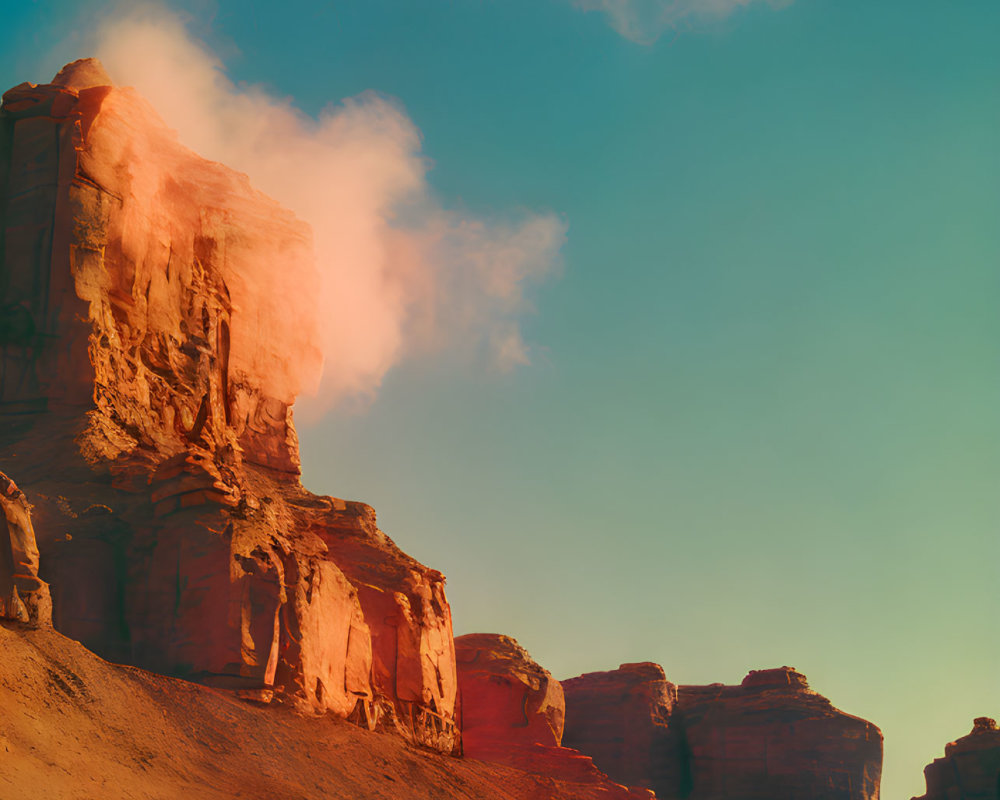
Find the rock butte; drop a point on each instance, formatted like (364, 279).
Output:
(970, 769)
(150, 304)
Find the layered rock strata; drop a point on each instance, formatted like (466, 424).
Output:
(152, 341)
(512, 712)
(970, 769)
(769, 737)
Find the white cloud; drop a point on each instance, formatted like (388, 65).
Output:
(644, 21)
(402, 274)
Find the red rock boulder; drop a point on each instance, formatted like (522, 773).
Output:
(512, 712)
(507, 699)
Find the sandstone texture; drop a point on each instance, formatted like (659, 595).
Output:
(23, 596)
(622, 719)
(970, 769)
(152, 341)
(512, 712)
(774, 737)
(771, 737)
(506, 697)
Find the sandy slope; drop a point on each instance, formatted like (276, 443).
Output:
(74, 727)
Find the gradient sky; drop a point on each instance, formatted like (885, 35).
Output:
(762, 421)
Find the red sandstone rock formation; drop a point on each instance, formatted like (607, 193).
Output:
(512, 713)
(507, 699)
(970, 769)
(151, 345)
(150, 352)
(622, 719)
(769, 738)
(774, 737)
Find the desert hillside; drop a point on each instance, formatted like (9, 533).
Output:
(76, 728)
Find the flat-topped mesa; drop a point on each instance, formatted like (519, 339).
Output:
(512, 713)
(156, 325)
(774, 737)
(970, 768)
(767, 738)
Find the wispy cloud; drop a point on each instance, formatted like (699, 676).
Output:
(402, 273)
(644, 21)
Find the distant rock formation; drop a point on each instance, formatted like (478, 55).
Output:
(622, 718)
(512, 713)
(770, 737)
(153, 339)
(151, 346)
(970, 769)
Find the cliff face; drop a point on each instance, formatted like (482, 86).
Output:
(769, 737)
(970, 769)
(774, 737)
(151, 346)
(622, 718)
(512, 712)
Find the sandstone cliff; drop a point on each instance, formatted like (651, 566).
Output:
(512, 712)
(771, 737)
(150, 352)
(970, 769)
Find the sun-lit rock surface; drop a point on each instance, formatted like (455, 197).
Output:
(771, 737)
(506, 697)
(970, 769)
(512, 712)
(152, 340)
(23, 596)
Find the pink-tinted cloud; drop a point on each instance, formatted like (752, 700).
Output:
(402, 274)
(644, 21)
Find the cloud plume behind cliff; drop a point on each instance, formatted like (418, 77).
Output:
(402, 275)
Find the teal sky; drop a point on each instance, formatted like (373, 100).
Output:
(762, 422)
